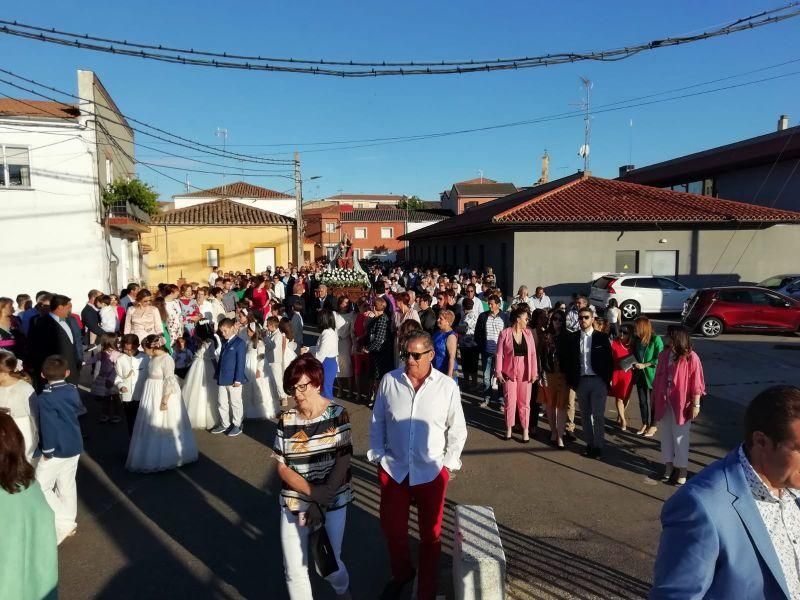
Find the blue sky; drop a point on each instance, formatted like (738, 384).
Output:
(261, 108)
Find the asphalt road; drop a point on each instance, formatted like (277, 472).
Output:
(571, 527)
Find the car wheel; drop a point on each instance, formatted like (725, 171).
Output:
(711, 327)
(630, 309)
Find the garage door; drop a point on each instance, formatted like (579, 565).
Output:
(661, 262)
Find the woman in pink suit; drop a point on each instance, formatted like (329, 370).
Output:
(516, 369)
(677, 388)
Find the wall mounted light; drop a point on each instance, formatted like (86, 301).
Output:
(663, 241)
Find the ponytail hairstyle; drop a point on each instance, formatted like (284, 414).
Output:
(10, 364)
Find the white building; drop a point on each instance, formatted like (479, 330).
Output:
(244, 193)
(54, 161)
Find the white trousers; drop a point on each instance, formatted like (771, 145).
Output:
(57, 478)
(230, 405)
(294, 540)
(674, 440)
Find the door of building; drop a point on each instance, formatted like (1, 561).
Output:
(263, 259)
(661, 262)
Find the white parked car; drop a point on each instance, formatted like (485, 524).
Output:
(788, 284)
(638, 294)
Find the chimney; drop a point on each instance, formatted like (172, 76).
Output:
(624, 169)
(783, 122)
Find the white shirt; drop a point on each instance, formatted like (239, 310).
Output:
(415, 433)
(212, 279)
(64, 326)
(131, 373)
(327, 345)
(109, 320)
(279, 290)
(781, 516)
(207, 310)
(586, 352)
(543, 302)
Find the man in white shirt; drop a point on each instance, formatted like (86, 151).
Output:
(212, 277)
(540, 300)
(416, 437)
(278, 288)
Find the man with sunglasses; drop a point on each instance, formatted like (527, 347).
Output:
(416, 437)
(732, 531)
(589, 367)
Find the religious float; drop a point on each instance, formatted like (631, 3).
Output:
(344, 275)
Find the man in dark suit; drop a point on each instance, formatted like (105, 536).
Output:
(588, 369)
(90, 316)
(323, 299)
(230, 376)
(57, 333)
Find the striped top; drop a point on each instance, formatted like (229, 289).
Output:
(310, 448)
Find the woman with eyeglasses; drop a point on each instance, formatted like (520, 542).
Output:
(517, 369)
(313, 448)
(143, 318)
(622, 378)
(552, 381)
(445, 344)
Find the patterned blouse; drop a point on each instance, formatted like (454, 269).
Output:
(781, 516)
(311, 448)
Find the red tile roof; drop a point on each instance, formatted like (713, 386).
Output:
(237, 189)
(476, 180)
(10, 107)
(484, 189)
(394, 198)
(382, 215)
(224, 212)
(583, 201)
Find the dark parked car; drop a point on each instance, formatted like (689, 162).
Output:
(742, 308)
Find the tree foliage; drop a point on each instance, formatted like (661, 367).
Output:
(134, 191)
(410, 203)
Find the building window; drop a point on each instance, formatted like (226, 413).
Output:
(470, 204)
(330, 227)
(387, 233)
(708, 187)
(627, 261)
(212, 257)
(15, 170)
(367, 253)
(695, 187)
(360, 233)
(109, 171)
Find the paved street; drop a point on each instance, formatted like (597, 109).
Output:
(571, 527)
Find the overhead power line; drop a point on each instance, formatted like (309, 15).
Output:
(183, 141)
(374, 68)
(262, 161)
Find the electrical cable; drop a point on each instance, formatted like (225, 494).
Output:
(216, 151)
(353, 68)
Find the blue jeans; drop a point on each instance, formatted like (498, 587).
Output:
(490, 395)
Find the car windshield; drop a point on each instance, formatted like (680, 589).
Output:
(777, 282)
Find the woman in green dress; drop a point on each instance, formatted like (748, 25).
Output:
(28, 554)
(647, 346)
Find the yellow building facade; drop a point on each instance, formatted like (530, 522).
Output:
(185, 243)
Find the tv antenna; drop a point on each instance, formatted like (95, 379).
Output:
(587, 123)
(222, 133)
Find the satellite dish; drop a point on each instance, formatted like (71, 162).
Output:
(584, 151)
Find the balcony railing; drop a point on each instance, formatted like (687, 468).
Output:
(124, 215)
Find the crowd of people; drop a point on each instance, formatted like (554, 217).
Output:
(195, 357)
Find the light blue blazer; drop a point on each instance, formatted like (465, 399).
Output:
(714, 543)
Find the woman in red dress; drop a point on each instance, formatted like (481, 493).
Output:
(622, 379)
(260, 295)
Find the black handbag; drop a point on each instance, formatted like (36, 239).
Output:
(322, 550)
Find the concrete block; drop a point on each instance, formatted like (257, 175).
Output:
(479, 563)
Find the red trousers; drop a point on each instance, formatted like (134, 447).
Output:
(395, 504)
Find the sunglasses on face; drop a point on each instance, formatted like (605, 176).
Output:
(585, 318)
(414, 355)
(300, 387)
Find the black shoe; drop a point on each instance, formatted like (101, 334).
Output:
(394, 589)
(598, 454)
(569, 436)
(588, 452)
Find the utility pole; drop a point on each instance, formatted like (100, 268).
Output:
(298, 198)
(223, 133)
(587, 125)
